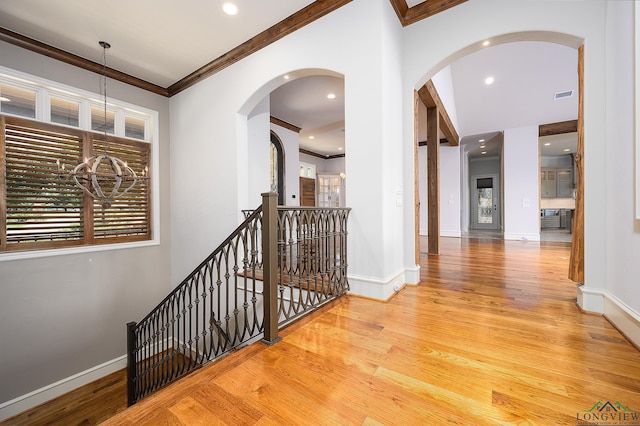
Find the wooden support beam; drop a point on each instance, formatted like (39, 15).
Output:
(409, 15)
(576, 263)
(429, 96)
(433, 179)
(558, 128)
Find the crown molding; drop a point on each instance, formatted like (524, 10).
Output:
(69, 58)
(284, 124)
(301, 18)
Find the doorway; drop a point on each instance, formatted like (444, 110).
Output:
(485, 202)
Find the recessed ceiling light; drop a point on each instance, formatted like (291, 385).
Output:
(567, 150)
(486, 43)
(547, 144)
(312, 137)
(488, 80)
(331, 96)
(230, 8)
(340, 148)
(483, 152)
(286, 77)
(481, 140)
(482, 146)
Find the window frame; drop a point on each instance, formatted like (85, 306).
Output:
(45, 89)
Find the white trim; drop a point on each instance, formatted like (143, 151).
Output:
(412, 275)
(521, 237)
(621, 315)
(455, 233)
(591, 299)
(39, 396)
(17, 255)
(374, 288)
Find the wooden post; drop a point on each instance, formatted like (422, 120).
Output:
(433, 179)
(576, 263)
(131, 363)
(416, 177)
(270, 266)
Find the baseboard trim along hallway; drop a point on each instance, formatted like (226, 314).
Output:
(46, 393)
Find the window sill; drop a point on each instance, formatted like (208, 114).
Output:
(20, 255)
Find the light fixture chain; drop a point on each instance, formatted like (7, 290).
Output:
(105, 46)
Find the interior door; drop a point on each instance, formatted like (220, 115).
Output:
(485, 203)
(328, 191)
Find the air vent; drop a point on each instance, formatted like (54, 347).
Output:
(562, 95)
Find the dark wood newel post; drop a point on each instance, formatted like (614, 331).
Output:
(269, 265)
(131, 363)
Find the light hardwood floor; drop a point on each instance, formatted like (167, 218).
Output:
(491, 336)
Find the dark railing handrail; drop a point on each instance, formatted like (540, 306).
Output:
(204, 263)
(279, 264)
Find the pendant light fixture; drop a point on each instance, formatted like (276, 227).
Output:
(103, 177)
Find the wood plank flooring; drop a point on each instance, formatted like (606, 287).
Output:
(492, 335)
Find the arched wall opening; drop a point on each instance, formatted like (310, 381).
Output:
(464, 209)
(256, 120)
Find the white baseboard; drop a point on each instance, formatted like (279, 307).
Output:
(451, 233)
(623, 317)
(514, 236)
(54, 390)
(591, 299)
(443, 233)
(374, 288)
(412, 275)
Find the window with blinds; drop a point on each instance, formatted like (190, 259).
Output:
(40, 209)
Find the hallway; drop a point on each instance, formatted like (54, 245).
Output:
(492, 335)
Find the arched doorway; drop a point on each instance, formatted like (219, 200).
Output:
(516, 41)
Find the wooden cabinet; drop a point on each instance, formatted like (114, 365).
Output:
(564, 179)
(548, 183)
(556, 183)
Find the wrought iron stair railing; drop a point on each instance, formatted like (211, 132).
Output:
(278, 265)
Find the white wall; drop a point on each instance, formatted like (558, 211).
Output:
(568, 23)
(62, 315)
(450, 174)
(443, 83)
(258, 163)
(423, 190)
(450, 187)
(622, 293)
(373, 137)
(521, 184)
(291, 147)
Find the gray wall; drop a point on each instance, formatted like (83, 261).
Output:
(60, 315)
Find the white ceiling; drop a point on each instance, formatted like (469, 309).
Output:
(303, 102)
(526, 77)
(162, 41)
